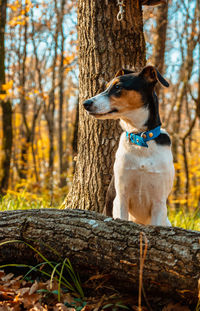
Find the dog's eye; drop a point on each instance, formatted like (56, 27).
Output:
(117, 86)
(117, 90)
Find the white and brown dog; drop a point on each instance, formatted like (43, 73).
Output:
(143, 168)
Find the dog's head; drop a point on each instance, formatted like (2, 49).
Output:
(127, 92)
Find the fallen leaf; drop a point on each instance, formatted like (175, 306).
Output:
(23, 291)
(33, 288)
(7, 277)
(12, 284)
(19, 277)
(29, 301)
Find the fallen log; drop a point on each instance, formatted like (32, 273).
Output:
(95, 243)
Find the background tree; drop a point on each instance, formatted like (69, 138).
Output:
(159, 42)
(5, 106)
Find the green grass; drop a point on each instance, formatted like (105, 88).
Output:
(25, 200)
(189, 220)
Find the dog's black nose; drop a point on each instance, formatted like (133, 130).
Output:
(88, 104)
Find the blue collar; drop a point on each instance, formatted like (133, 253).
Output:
(141, 138)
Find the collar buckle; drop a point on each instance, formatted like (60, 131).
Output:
(143, 135)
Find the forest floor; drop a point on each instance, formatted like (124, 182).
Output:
(58, 287)
(18, 293)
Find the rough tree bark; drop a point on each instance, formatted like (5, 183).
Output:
(95, 243)
(106, 46)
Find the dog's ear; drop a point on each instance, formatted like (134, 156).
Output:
(152, 75)
(123, 72)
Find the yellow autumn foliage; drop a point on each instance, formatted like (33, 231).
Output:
(6, 87)
(3, 97)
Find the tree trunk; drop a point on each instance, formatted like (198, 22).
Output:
(160, 37)
(26, 132)
(160, 42)
(7, 145)
(106, 45)
(75, 138)
(6, 109)
(50, 110)
(98, 244)
(62, 168)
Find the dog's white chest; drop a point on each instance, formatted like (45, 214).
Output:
(142, 176)
(154, 159)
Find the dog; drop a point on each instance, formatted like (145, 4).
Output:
(143, 167)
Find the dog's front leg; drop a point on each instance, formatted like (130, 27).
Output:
(120, 208)
(159, 214)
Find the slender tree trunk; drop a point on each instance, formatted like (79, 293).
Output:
(176, 145)
(97, 244)
(106, 45)
(26, 133)
(7, 145)
(75, 137)
(6, 109)
(185, 156)
(50, 110)
(159, 47)
(36, 109)
(50, 123)
(160, 44)
(61, 95)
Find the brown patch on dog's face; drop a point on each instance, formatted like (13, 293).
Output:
(127, 101)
